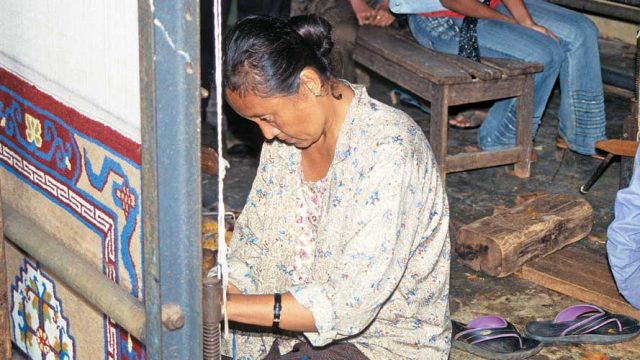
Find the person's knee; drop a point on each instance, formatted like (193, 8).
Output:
(550, 56)
(582, 30)
(588, 29)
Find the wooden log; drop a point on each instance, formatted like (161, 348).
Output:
(498, 245)
(209, 160)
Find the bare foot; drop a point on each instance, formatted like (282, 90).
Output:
(468, 119)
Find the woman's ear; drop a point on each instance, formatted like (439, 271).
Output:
(310, 80)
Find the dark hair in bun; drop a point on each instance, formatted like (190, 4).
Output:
(265, 55)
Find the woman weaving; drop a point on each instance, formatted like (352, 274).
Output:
(343, 243)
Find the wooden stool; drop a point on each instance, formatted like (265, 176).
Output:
(613, 148)
(445, 80)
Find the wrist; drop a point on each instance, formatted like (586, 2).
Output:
(277, 311)
(527, 22)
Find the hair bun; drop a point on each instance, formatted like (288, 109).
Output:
(315, 30)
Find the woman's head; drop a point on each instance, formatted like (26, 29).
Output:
(277, 73)
(264, 56)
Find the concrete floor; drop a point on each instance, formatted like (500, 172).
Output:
(474, 194)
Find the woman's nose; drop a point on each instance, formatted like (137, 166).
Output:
(268, 131)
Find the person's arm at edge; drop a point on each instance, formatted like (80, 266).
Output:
(519, 10)
(476, 9)
(258, 310)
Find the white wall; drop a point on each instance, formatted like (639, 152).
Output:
(83, 52)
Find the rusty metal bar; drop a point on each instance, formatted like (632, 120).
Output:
(83, 277)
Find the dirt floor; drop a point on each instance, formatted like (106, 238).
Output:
(474, 194)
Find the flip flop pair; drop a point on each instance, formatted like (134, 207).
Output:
(492, 337)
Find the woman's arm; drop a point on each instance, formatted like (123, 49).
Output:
(258, 310)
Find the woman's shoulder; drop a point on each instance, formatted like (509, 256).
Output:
(387, 123)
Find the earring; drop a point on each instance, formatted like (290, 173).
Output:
(317, 94)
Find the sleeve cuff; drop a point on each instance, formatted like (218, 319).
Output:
(240, 276)
(314, 298)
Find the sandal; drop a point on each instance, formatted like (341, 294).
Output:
(584, 324)
(492, 337)
(562, 144)
(470, 119)
(400, 96)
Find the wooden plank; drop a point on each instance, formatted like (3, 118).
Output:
(482, 159)
(486, 90)
(618, 147)
(581, 274)
(476, 70)
(5, 332)
(393, 71)
(606, 8)
(498, 245)
(418, 60)
(513, 67)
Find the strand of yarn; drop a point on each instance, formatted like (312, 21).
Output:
(223, 269)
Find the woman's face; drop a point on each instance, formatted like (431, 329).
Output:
(299, 119)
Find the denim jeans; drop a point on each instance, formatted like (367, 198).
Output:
(575, 59)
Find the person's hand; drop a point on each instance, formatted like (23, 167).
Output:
(364, 13)
(383, 16)
(544, 30)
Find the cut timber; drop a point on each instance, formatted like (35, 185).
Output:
(581, 274)
(498, 245)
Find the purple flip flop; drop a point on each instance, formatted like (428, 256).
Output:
(492, 337)
(584, 323)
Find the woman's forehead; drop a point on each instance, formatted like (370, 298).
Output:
(251, 105)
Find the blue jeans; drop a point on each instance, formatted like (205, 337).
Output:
(575, 59)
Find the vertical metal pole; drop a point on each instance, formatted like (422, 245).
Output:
(169, 70)
(153, 344)
(177, 76)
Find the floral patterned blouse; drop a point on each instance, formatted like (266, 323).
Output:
(366, 249)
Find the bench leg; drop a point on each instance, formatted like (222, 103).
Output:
(439, 127)
(522, 168)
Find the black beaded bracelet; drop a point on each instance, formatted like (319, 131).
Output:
(277, 309)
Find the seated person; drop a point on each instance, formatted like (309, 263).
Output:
(623, 246)
(564, 41)
(344, 17)
(343, 241)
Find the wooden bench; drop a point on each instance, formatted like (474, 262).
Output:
(445, 80)
(625, 10)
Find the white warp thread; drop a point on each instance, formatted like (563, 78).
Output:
(223, 268)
